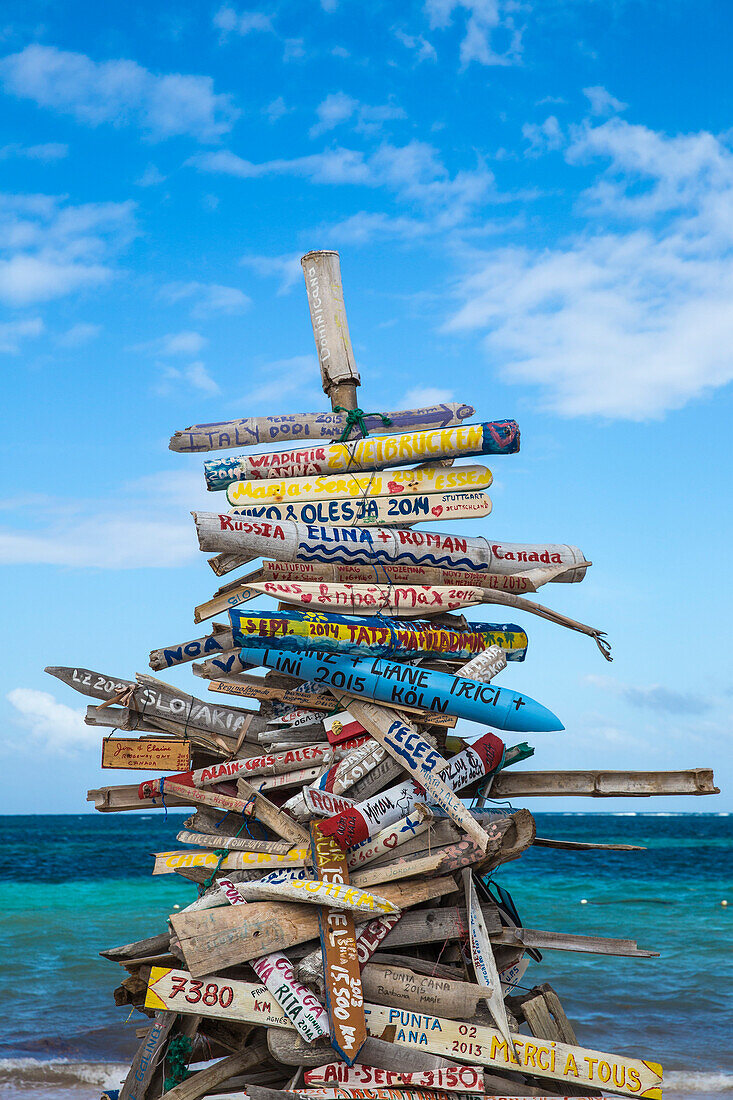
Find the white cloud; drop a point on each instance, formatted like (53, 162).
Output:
(208, 299)
(227, 21)
(49, 249)
(298, 375)
(138, 525)
(338, 108)
(285, 268)
(420, 396)
(485, 21)
(544, 137)
(196, 375)
(654, 697)
(602, 102)
(275, 110)
(53, 726)
(151, 177)
(631, 317)
(424, 51)
(12, 333)
(51, 150)
(414, 172)
(78, 335)
(120, 92)
(174, 343)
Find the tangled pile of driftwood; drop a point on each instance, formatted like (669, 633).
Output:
(348, 939)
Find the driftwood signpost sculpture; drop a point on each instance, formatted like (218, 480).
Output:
(344, 942)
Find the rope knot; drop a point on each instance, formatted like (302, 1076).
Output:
(355, 418)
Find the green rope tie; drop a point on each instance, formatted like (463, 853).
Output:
(355, 419)
(177, 1057)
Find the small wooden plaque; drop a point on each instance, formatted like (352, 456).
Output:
(165, 754)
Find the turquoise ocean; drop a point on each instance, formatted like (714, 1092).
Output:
(73, 885)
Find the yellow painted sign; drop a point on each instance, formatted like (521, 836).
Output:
(384, 483)
(162, 754)
(166, 862)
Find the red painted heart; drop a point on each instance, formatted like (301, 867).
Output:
(437, 510)
(306, 597)
(395, 487)
(393, 840)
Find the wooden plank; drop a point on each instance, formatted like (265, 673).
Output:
(409, 601)
(302, 1008)
(146, 754)
(151, 788)
(167, 862)
(379, 679)
(347, 486)
(122, 798)
(216, 998)
(339, 373)
(214, 939)
(528, 580)
(388, 984)
(234, 844)
(155, 699)
(485, 1046)
(565, 941)
(289, 541)
(269, 764)
(460, 1079)
(322, 702)
(377, 452)
(374, 511)
(304, 427)
(289, 1049)
(482, 956)
(366, 819)
(269, 814)
(604, 784)
(341, 970)
(372, 636)
(309, 891)
(387, 840)
(413, 753)
(586, 845)
(219, 642)
(148, 1057)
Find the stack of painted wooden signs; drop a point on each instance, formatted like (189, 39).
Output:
(349, 939)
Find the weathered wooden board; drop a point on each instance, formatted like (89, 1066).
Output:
(167, 862)
(486, 1046)
(289, 541)
(339, 373)
(155, 699)
(347, 486)
(461, 1079)
(302, 1008)
(378, 680)
(302, 427)
(325, 803)
(400, 987)
(604, 784)
(151, 788)
(370, 636)
(147, 1057)
(365, 820)
(220, 998)
(341, 969)
(482, 956)
(310, 891)
(180, 653)
(374, 453)
(233, 843)
(374, 511)
(388, 840)
(411, 601)
(528, 580)
(323, 702)
(270, 764)
(214, 939)
(420, 760)
(146, 754)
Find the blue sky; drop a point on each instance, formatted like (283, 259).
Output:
(533, 206)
